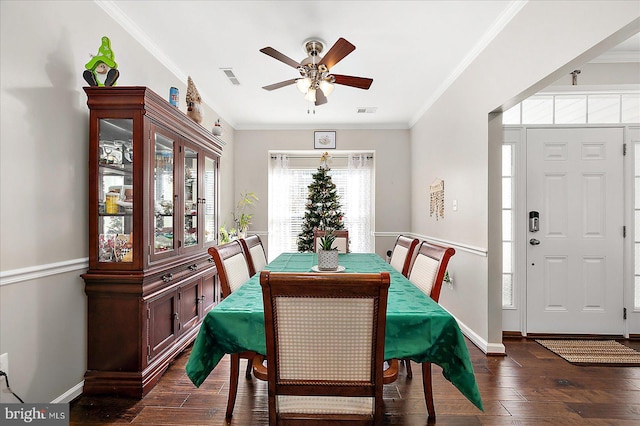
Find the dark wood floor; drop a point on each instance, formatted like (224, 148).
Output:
(529, 386)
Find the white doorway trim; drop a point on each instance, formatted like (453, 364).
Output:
(514, 320)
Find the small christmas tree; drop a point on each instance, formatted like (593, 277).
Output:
(322, 208)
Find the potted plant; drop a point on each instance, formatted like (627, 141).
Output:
(327, 254)
(240, 216)
(224, 235)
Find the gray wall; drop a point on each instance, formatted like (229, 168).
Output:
(455, 140)
(392, 177)
(43, 166)
(44, 153)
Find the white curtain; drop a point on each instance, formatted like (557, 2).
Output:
(357, 202)
(280, 233)
(289, 178)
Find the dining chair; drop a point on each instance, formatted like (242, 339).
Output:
(403, 253)
(427, 273)
(341, 242)
(233, 271)
(254, 251)
(313, 322)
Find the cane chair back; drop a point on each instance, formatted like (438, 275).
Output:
(312, 323)
(254, 251)
(427, 273)
(403, 253)
(233, 271)
(232, 265)
(428, 268)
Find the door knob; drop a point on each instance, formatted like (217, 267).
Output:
(534, 242)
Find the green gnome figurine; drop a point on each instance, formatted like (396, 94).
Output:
(102, 70)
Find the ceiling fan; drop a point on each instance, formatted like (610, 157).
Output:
(316, 82)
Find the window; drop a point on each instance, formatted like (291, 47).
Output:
(289, 176)
(636, 214)
(576, 109)
(507, 226)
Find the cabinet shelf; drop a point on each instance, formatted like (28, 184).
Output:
(115, 168)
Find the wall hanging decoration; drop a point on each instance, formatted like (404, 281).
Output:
(324, 140)
(102, 70)
(194, 102)
(436, 200)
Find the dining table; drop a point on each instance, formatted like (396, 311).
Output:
(417, 327)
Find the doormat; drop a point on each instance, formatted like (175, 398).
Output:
(593, 352)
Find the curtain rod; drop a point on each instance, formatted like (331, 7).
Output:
(274, 156)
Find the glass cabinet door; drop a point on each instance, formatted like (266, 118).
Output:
(210, 190)
(163, 194)
(115, 190)
(191, 198)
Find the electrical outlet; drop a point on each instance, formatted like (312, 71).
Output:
(4, 363)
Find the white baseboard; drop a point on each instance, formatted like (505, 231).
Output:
(70, 395)
(482, 344)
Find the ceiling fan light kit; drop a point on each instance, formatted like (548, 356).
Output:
(316, 82)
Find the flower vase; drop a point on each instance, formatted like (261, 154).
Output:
(327, 260)
(242, 233)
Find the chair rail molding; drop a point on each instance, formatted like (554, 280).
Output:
(30, 273)
(478, 251)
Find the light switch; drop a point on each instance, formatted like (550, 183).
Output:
(454, 205)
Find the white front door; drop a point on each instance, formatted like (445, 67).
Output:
(574, 261)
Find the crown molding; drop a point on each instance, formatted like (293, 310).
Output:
(617, 57)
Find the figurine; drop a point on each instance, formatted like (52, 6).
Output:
(194, 102)
(217, 129)
(102, 70)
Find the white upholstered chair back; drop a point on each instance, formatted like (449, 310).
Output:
(398, 257)
(428, 268)
(423, 273)
(254, 251)
(403, 253)
(314, 329)
(232, 265)
(237, 271)
(259, 259)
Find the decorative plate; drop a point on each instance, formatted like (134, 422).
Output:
(341, 268)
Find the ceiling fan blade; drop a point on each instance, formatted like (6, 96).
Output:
(279, 85)
(337, 52)
(348, 80)
(279, 56)
(321, 99)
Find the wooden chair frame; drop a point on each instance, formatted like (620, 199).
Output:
(248, 244)
(324, 285)
(408, 243)
(220, 254)
(339, 233)
(441, 255)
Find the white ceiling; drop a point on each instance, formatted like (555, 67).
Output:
(411, 49)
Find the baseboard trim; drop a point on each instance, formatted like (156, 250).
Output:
(70, 395)
(476, 339)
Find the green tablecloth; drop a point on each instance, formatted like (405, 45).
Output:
(417, 327)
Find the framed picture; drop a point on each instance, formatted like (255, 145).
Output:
(324, 140)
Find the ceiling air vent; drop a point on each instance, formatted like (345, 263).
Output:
(231, 76)
(366, 110)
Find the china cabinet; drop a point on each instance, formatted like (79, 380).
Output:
(153, 212)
